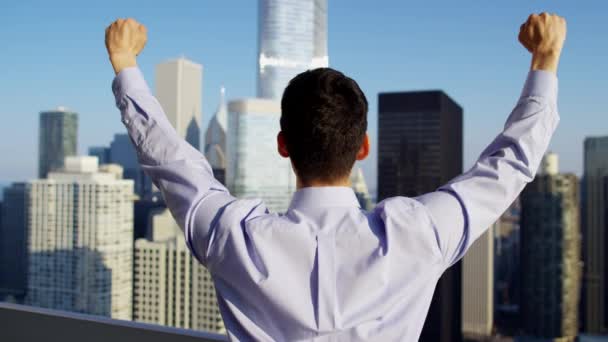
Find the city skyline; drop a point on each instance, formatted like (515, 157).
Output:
(407, 59)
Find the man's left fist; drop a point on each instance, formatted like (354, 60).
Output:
(124, 41)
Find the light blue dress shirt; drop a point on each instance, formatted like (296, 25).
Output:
(327, 270)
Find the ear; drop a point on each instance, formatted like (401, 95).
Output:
(282, 145)
(364, 149)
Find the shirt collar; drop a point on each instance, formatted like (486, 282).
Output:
(323, 197)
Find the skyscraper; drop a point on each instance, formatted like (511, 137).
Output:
(170, 286)
(595, 236)
(13, 240)
(550, 255)
(57, 139)
(122, 152)
(478, 287)
(255, 168)
(80, 240)
(215, 139)
(419, 149)
(179, 89)
(292, 38)
(359, 186)
(101, 152)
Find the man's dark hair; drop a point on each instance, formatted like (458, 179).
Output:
(324, 120)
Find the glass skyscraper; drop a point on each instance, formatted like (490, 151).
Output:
(420, 149)
(550, 255)
(595, 236)
(57, 138)
(215, 140)
(255, 169)
(292, 38)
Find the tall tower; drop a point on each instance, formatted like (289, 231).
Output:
(13, 240)
(550, 255)
(57, 139)
(258, 172)
(478, 287)
(420, 149)
(357, 182)
(179, 89)
(292, 38)
(595, 236)
(215, 139)
(80, 240)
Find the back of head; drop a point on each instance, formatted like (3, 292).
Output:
(324, 121)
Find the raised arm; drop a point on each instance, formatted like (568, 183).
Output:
(465, 208)
(181, 172)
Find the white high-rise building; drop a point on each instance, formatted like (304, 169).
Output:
(292, 38)
(357, 182)
(179, 89)
(255, 169)
(215, 137)
(478, 287)
(80, 240)
(170, 286)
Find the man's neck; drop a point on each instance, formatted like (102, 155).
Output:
(318, 183)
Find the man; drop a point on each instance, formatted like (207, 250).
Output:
(327, 270)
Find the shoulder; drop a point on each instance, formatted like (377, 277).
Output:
(408, 224)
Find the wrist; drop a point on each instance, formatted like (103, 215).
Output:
(547, 61)
(121, 61)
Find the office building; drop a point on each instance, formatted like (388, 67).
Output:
(170, 286)
(292, 38)
(57, 139)
(179, 89)
(80, 240)
(420, 149)
(594, 308)
(357, 182)
(215, 139)
(13, 241)
(122, 152)
(478, 287)
(255, 169)
(507, 271)
(102, 153)
(551, 265)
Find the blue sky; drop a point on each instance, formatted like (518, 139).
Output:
(53, 54)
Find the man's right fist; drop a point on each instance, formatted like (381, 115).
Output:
(543, 35)
(124, 41)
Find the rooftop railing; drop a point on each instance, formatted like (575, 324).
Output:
(25, 323)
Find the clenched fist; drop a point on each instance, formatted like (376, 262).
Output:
(124, 41)
(543, 35)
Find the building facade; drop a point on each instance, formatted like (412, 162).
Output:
(13, 241)
(57, 139)
(478, 287)
(179, 89)
(292, 38)
(255, 169)
(215, 139)
(551, 267)
(420, 149)
(101, 152)
(357, 182)
(594, 308)
(170, 286)
(80, 240)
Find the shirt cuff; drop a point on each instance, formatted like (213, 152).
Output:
(128, 80)
(541, 83)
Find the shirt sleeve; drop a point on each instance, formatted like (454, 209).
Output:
(465, 208)
(183, 175)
